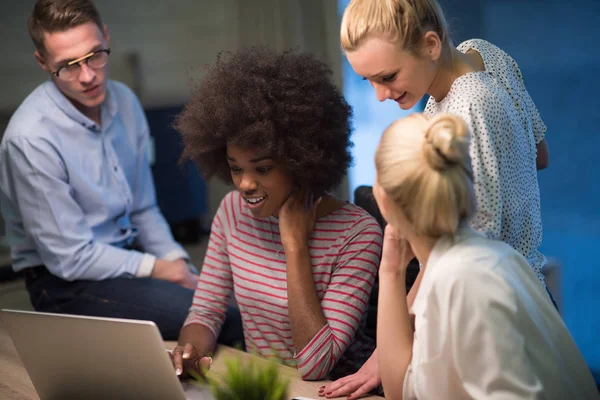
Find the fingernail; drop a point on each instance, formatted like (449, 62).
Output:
(210, 360)
(178, 371)
(186, 355)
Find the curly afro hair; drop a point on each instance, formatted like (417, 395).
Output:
(282, 103)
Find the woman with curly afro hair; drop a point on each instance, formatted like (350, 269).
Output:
(300, 263)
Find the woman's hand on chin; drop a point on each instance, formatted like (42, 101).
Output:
(397, 252)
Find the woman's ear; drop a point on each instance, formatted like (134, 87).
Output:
(41, 61)
(382, 200)
(432, 46)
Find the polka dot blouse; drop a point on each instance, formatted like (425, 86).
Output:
(506, 127)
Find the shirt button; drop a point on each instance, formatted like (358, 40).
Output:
(116, 169)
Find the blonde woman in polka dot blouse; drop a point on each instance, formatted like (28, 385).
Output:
(403, 49)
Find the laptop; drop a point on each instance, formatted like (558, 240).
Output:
(80, 357)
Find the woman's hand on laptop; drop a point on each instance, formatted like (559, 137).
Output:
(186, 358)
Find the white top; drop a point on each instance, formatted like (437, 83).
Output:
(506, 127)
(485, 329)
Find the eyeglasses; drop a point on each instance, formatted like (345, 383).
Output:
(95, 60)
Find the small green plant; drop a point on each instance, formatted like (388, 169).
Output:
(248, 381)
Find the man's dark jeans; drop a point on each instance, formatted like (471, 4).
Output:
(164, 303)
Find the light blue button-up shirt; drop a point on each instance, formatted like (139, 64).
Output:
(74, 193)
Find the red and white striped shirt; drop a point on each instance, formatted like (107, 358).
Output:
(245, 255)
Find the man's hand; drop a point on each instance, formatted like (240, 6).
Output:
(175, 271)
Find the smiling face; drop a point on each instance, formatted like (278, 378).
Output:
(395, 74)
(88, 90)
(262, 182)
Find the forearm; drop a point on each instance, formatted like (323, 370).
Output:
(394, 333)
(410, 298)
(200, 336)
(155, 235)
(304, 307)
(542, 158)
(93, 261)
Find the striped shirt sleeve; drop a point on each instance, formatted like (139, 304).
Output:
(345, 300)
(216, 282)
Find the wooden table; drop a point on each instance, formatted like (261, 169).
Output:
(16, 385)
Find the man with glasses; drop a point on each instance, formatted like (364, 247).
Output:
(76, 190)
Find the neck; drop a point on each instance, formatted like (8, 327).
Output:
(452, 65)
(327, 205)
(91, 113)
(422, 247)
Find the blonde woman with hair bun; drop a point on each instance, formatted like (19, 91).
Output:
(435, 174)
(403, 48)
(483, 325)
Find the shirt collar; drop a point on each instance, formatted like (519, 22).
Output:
(108, 108)
(446, 242)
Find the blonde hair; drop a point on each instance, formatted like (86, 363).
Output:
(403, 22)
(424, 167)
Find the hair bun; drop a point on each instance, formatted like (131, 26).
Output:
(446, 142)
